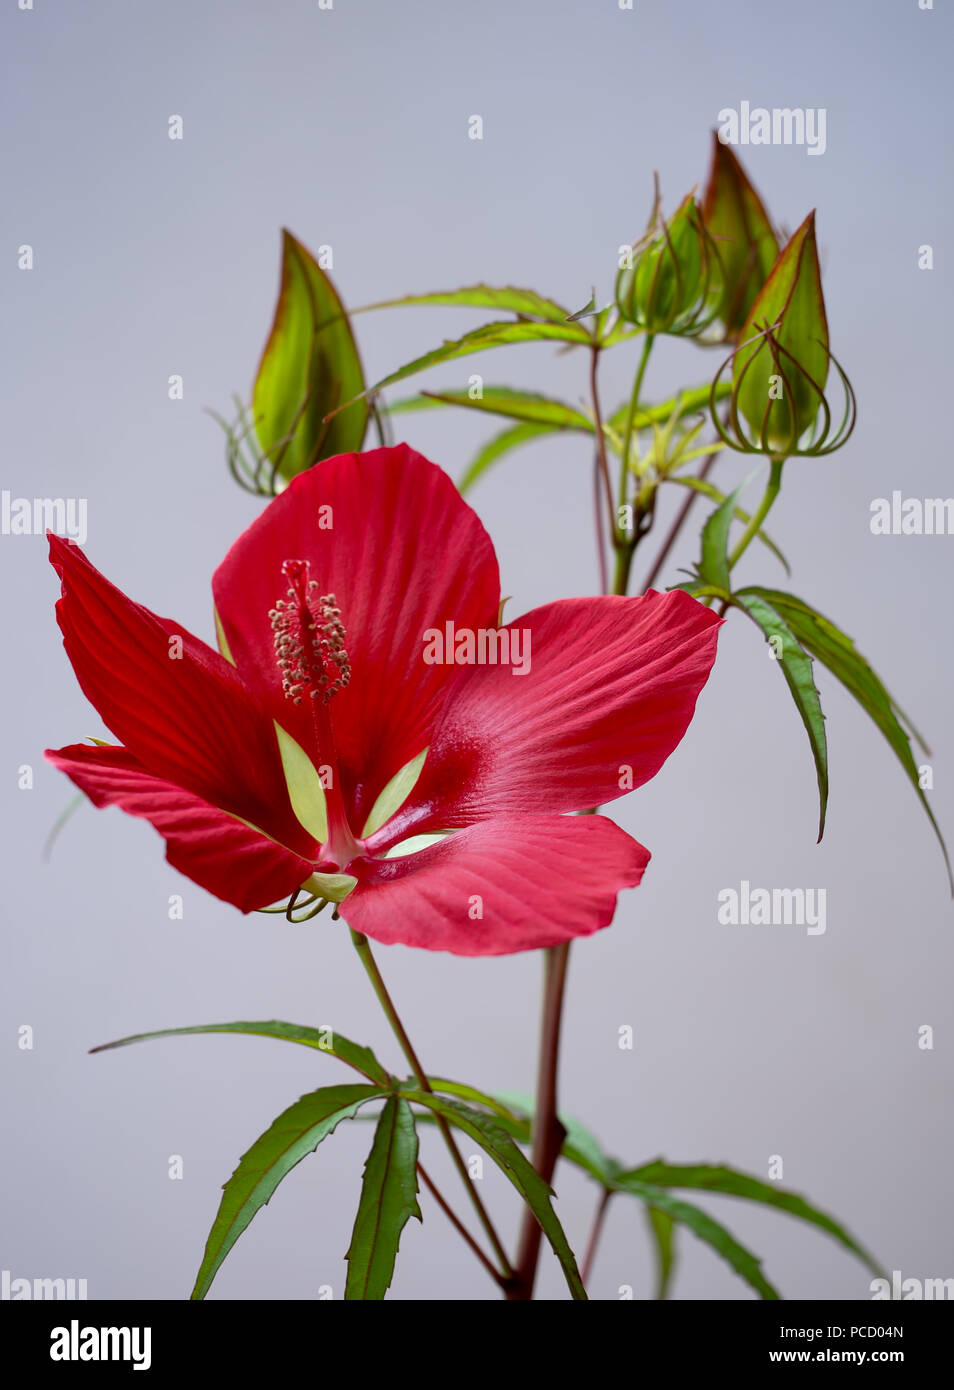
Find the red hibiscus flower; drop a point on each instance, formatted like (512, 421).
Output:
(364, 700)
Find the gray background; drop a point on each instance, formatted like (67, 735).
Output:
(154, 257)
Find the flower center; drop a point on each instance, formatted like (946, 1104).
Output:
(311, 656)
(309, 638)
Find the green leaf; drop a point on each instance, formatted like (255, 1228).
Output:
(688, 402)
(310, 366)
(519, 405)
(495, 1141)
(796, 666)
(791, 304)
(580, 1146)
(489, 335)
(296, 1133)
(588, 311)
(324, 1039)
(471, 1093)
(388, 1201)
(838, 653)
(507, 440)
(544, 415)
(508, 297)
(702, 1225)
(714, 563)
(662, 1229)
(729, 1182)
(408, 404)
(495, 449)
(708, 490)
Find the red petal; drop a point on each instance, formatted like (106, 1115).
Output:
(612, 685)
(189, 720)
(216, 851)
(537, 880)
(404, 554)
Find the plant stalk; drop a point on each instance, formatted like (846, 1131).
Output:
(761, 512)
(586, 1269)
(363, 948)
(548, 1132)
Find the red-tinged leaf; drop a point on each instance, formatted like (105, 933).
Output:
(489, 335)
(746, 243)
(524, 303)
(310, 366)
(781, 367)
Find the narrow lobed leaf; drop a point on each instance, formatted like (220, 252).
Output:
(496, 448)
(745, 1264)
(388, 1201)
(296, 1133)
(492, 1137)
(796, 667)
(662, 1228)
(836, 651)
(707, 489)
(717, 1178)
(362, 1059)
(489, 335)
(507, 297)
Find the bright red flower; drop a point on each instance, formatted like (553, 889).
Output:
(209, 741)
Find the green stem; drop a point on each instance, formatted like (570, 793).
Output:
(602, 462)
(624, 564)
(678, 522)
(631, 415)
(623, 543)
(762, 511)
(363, 948)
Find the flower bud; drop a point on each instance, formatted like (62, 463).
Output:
(748, 248)
(671, 281)
(780, 369)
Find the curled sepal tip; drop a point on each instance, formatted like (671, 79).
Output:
(780, 370)
(670, 280)
(796, 419)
